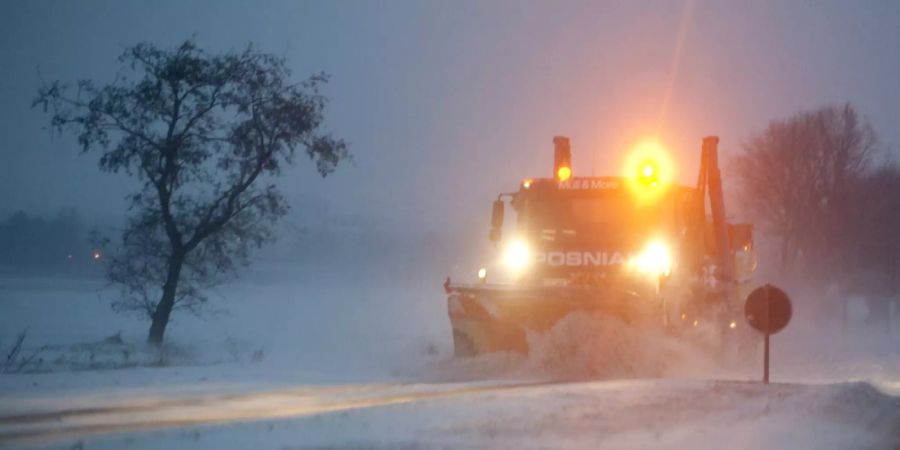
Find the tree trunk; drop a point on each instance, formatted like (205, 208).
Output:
(167, 302)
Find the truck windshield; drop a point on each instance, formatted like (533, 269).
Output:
(599, 219)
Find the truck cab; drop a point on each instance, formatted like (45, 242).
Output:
(591, 227)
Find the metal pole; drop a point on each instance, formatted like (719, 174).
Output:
(844, 315)
(725, 259)
(892, 288)
(768, 328)
(890, 314)
(887, 319)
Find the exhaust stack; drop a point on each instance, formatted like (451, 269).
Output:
(562, 158)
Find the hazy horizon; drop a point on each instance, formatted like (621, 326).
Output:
(444, 105)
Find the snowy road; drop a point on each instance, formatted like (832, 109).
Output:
(144, 414)
(613, 414)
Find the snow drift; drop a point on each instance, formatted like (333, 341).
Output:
(584, 346)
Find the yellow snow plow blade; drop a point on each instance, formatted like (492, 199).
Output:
(493, 318)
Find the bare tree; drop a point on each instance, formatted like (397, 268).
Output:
(204, 134)
(795, 179)
(873, 245)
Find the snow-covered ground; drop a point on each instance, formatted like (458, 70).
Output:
(296, 360)
(665, 413)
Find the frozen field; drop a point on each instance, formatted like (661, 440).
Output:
(309, 362)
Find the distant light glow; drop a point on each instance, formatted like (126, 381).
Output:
(97, 254)
(564, 173)
(526, 184)
(732, 325)
(482, 273)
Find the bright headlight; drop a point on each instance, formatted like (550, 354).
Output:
(517, 255)
(655, 259)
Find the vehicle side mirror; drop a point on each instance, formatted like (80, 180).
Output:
(496, 221)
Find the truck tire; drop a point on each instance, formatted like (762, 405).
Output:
(463, 347)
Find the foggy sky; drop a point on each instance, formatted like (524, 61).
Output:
(446, 104)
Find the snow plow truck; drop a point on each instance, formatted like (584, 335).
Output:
(638, 247)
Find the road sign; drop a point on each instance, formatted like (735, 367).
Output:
(768, 309)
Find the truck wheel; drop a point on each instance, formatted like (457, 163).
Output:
(463, 347)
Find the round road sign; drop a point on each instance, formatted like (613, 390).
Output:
(768, 309)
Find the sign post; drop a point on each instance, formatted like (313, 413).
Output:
(766, 359)
(768, 310)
